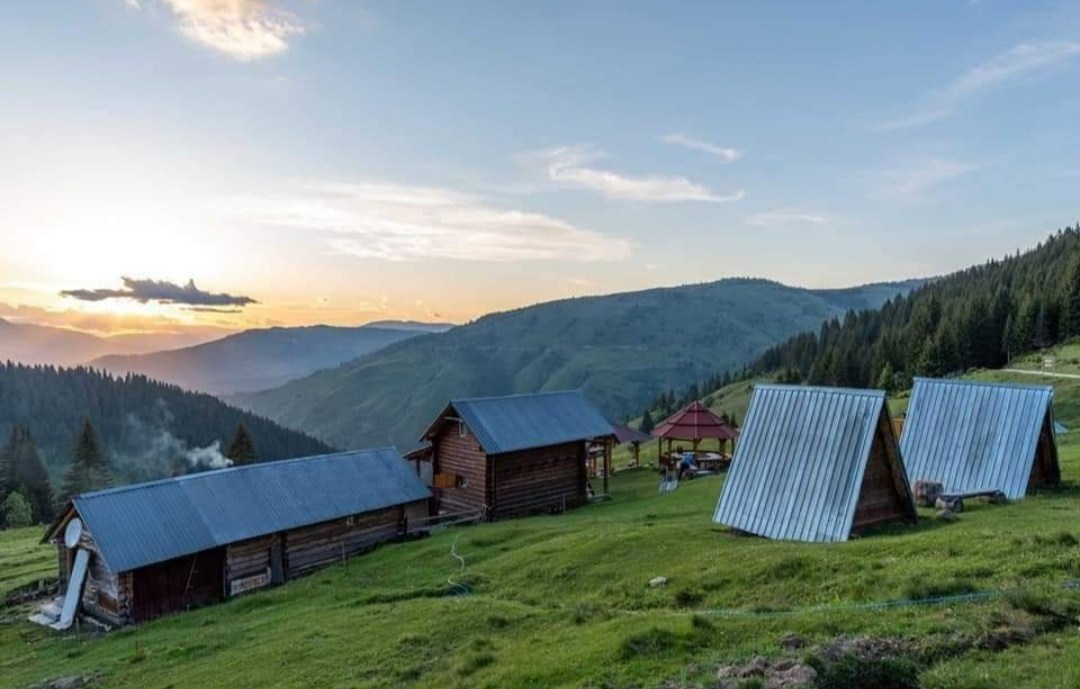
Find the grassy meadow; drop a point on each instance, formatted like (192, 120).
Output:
(22, 560)
(565, 601)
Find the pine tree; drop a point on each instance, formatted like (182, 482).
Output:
(1070, 316)
(647, 423)
(886, 379)
(26, 474)
(242, 448)
(88, 470)
(15, 511)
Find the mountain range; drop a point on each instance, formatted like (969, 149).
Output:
(42, 344)
(619, 349)
(264, 358)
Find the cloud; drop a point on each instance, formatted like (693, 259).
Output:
(1022, 60)
(407, 223)
(162, 292)
(570, 165)
(917, 176)
(728, 155)
(241, 29)
(784, 217)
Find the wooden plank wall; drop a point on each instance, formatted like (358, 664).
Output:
(882, 496)
(538, 480)
(248, 558)
(101, 595)
(316, 546)
(464, 457)
(1045, 470)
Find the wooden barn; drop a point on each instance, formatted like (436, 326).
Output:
(137, 552)
(815, 464)
(974, 436)
(516, 455)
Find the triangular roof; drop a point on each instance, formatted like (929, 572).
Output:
(522, 422)
(798, 470)
(625, 434)
(138, 525)
(971, 435)
(695, 421)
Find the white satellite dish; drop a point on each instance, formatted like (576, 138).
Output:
(73, 533)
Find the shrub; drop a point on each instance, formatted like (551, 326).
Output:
(853, 672)
(652, 642)
(15, 512)
(923, 589)
(688, 598)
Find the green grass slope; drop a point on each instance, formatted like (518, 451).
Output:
(620, 349)
(565, 602)
(22, 560)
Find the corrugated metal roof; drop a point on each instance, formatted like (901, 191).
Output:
(521, 422)
(974, 436)
(141, 524)
(695, 421)
(798, 468)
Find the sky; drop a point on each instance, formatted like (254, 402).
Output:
(173, 164)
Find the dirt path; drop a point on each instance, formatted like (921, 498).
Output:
(1045, 374)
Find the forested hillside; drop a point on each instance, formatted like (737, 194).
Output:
(976, 318)
(620, 349)
(146, 429)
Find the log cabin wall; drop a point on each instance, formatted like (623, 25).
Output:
(882, 496)
(321, 544)
(462, 456)
(538, 480)
(179, 584)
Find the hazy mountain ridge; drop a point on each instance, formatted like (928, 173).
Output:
(264, 358)
(620, 349)
(33, 344)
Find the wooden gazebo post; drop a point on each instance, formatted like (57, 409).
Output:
(608, 444)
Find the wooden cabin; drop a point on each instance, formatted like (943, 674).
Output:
(137, 552)
(815, 464)
(516, 455)
(974, 436)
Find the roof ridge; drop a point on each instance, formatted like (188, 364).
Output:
(515, 395)
(229, 469)
(867, 392)
(983, 383)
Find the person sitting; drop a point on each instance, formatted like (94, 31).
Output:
(686, 465)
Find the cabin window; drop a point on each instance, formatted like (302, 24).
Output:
(461, 482)
(462, 430)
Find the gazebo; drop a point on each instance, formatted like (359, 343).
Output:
(625, 434)
(694, 423)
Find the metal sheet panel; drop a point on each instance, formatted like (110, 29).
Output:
(522, 422)
(974, 436)
(141, 524)
(798, 469)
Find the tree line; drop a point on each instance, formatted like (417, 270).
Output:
(74, 430)
(981, 317)
(26, 492)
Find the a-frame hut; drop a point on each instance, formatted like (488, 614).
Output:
(973, 436)
(815, 464)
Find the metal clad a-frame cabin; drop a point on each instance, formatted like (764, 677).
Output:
(814, 464)
(177, 543)
(972, 436)
(515, 455)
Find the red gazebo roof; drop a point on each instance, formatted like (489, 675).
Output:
(695, 422)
